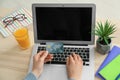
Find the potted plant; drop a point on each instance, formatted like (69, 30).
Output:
(103, 31)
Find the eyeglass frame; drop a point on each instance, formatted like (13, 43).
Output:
(9, 22)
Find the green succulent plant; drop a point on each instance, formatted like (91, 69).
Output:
(103, 31)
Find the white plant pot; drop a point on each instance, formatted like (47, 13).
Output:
(102, 49)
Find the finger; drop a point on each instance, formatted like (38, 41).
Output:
(47, 60)
(71, 60)
(40, 53)
(67, 61)
(49, 55)
(37, 56)
(44, 55)
(78, 57)
(74, 56)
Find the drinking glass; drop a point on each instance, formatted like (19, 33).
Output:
(22, 37)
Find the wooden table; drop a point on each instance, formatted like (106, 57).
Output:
(14, 61)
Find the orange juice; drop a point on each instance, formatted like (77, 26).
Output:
(22, 37)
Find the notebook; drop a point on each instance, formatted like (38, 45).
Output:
(6, 31)
(113, 53)
(112, 70)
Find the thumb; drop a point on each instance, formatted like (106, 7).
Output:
(44, 55)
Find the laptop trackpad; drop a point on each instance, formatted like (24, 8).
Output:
(54, 72)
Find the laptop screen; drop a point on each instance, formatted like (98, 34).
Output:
(67, 23)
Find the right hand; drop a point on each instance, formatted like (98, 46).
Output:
(74, 66)
(38, 62)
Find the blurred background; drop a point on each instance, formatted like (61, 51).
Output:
(105, 9)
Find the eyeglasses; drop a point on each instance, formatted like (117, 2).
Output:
(9, 20)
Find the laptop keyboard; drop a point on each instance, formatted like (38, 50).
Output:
(60, 58)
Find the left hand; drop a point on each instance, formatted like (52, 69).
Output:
(38, 62)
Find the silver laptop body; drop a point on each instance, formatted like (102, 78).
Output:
(57, 71)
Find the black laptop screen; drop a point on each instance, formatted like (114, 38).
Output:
(64, 23)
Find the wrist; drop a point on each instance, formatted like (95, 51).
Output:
(36, 73)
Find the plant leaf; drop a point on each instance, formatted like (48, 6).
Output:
(104, 30)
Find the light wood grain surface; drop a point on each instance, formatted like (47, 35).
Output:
(14, 61)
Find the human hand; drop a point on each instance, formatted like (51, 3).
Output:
(74, 66)
(38, 62)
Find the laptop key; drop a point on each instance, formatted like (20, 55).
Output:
(58, 55)
(87, 64)
(56, 59)
(86, 60)
(56, 62)
(64, 59)
(83, 63)
(59, 59)
(62, 55)
(54, 55)
(65, 56)
(69, 53)
(87, 55)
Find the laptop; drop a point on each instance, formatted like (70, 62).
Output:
(70, 24)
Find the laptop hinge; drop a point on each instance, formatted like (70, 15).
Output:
(77, 44)
(69, 44)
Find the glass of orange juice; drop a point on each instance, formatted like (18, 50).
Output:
(22, 37)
